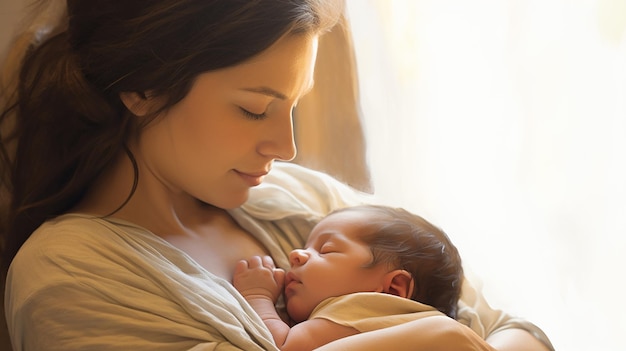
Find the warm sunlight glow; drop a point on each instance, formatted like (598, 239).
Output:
(505, 123)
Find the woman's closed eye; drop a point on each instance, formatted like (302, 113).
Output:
(252, 115)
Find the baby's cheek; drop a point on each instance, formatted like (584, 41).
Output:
(297, 311)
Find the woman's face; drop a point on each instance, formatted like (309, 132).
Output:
(334, 262)
(222, 138)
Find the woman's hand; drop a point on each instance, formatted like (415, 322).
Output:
(515, 340)
(438, 333)
(259, 277)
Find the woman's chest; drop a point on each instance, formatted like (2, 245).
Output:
(218, 247)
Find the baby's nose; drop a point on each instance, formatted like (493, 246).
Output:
(298, 257)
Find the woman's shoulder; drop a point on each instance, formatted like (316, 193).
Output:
(81, 252)
(293, 189)
(59, 250)
(294, 176)
(74, 229)
(75, 240)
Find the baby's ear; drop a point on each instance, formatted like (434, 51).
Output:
(399, 282)
(137, 103)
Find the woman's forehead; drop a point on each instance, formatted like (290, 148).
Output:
(286, 68)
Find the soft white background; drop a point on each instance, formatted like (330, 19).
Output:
(504, 122)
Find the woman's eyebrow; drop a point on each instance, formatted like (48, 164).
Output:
(266, 91)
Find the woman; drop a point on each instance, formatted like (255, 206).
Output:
(140, 128)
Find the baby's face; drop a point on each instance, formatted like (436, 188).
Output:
(334, 262)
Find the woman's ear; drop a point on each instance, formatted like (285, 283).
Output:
(399, 282)
(137, 103)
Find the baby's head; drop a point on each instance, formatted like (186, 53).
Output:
(403, 240)
(374, 249)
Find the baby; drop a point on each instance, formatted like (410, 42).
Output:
(362, 268)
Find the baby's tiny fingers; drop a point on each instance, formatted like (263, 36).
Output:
(268, 262)
(279, 277)
(255, 262)
(241, 266)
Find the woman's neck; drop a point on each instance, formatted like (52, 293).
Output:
(206, 233)
(151, 205)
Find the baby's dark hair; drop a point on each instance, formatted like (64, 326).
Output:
(407, 241)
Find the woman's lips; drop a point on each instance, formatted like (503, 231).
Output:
(252, 178)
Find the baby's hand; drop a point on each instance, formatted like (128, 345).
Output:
(258, 277)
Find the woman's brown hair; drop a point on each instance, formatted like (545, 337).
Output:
(64, 123)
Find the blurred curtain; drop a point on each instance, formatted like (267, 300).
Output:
(504, 122)
(328, 125)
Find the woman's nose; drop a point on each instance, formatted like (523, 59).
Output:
(279, 143)
(298, 257)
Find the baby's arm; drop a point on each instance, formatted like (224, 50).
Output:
(313, 333)
(260, 283)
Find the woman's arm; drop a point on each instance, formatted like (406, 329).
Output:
(501, 330)
(515, 340)
(439, 334)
